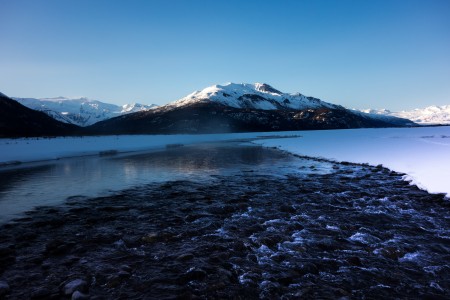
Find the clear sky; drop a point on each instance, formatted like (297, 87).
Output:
(380, 54)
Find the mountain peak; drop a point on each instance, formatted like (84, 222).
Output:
(80, 111)
(250, 96)
(264, 87)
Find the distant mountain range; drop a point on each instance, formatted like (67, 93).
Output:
(80, 111)
(219, 108)
(243, 107)
(17, 120)
(426, 116)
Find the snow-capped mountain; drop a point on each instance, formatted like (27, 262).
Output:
(16, 120)
(265, 97)
(428, 115)
(243, 107)
(80, 111)
(251, 96)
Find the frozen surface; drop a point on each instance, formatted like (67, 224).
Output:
(37, 149)
(422, 153)
(51, 182)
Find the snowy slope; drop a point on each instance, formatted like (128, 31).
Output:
(80, 111)
(428, 115)
(252, 96)
(264, 97)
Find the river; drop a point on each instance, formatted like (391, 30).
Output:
(221, 220)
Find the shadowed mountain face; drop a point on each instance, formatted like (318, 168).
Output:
(80, 111)
(240, 108)
(212, 117)
(216, 109)
(17, 120)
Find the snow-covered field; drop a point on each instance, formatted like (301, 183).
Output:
(422, 153)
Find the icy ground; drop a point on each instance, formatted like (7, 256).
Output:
(422, 153)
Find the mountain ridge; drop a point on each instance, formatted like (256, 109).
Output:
(242, 107)
(17, 120)
(80, 111)
(430, 115)
(255, 96)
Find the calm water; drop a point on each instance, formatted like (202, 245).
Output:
(53, 182)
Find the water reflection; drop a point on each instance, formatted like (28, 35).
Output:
(52, 183)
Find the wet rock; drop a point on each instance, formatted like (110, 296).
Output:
(28, 236)
(193, 274)
(191, 218)
(327, 244)
(271, 239)
(41, 293)
(124, 274)
(223, 209)
(132, 241)
(287, 208)
(7, 255)
(46, 265)
(126, 268)
(104, 238)
(185, 257)
(70, 260)
(218, 257)
(4, 288)
(391, 252)
(354, 261)
(58, 247)
(239, 246)
(114, 281)
(150, 237)
(77, 295)
(308, 268)
(75, 285)
(269, 289)
(287, 277)
(114, 208)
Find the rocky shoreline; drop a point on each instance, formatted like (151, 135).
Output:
(358, 232)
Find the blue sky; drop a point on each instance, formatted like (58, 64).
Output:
(381, 54)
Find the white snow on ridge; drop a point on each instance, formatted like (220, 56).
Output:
(80, 111)
(428, 115)
(255, 96)
(422, 153)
